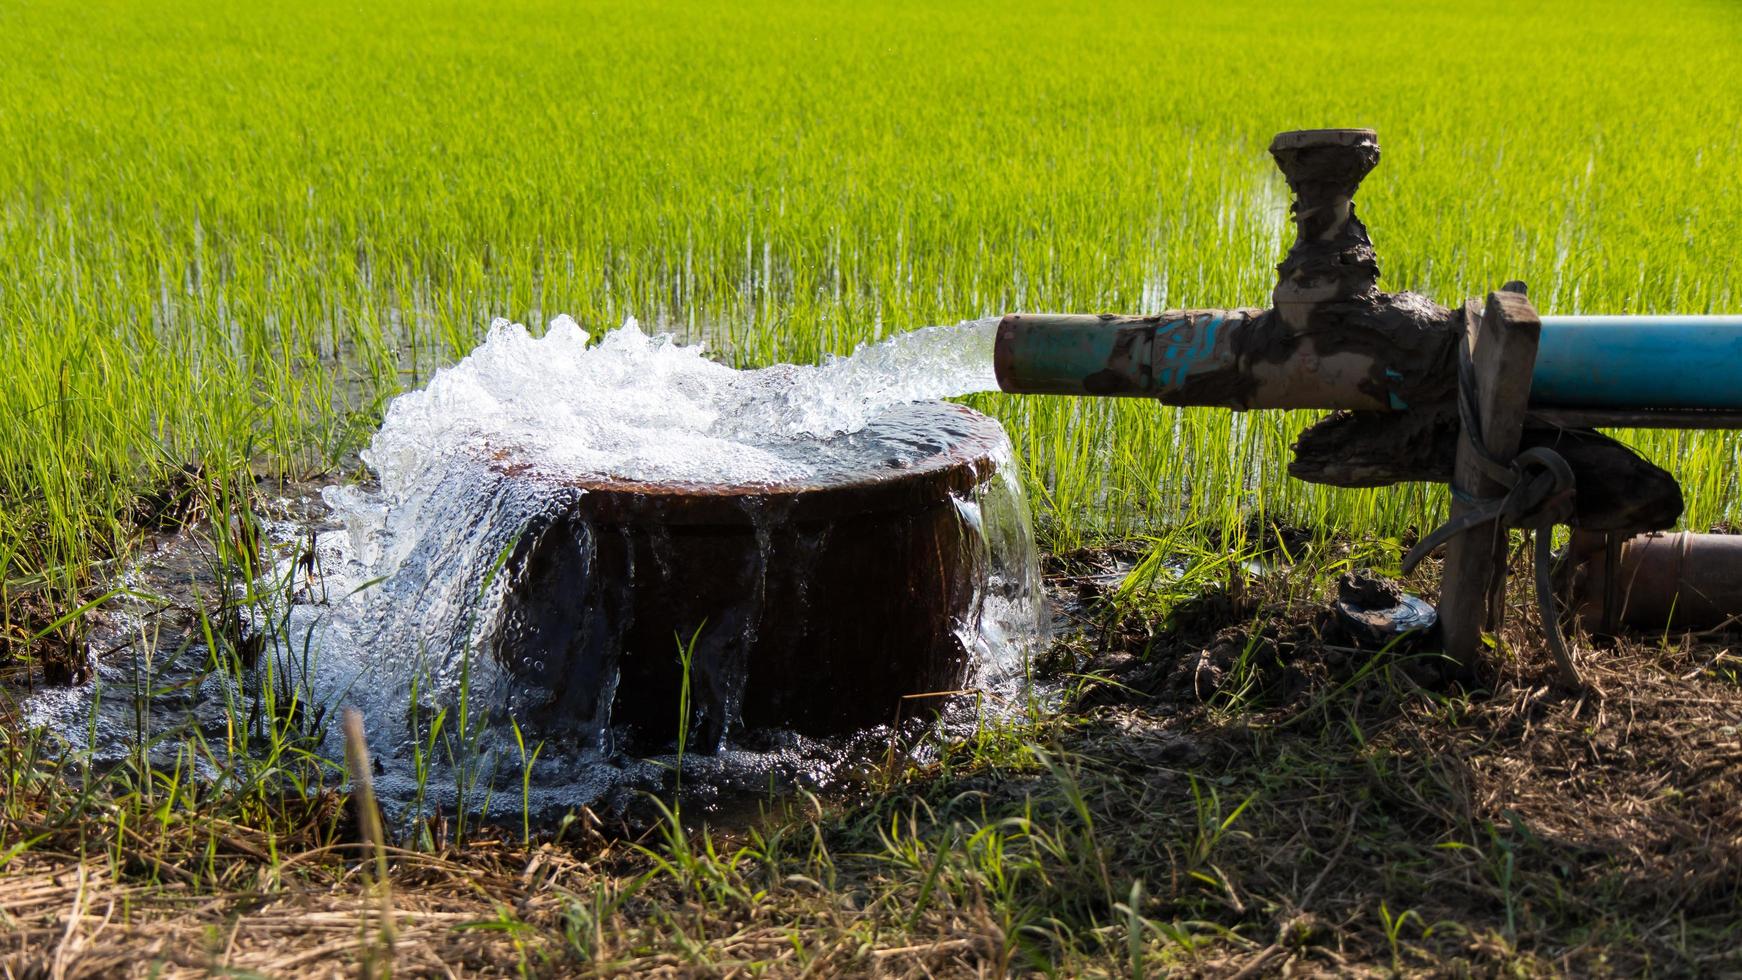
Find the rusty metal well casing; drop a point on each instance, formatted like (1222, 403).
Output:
(821, 608)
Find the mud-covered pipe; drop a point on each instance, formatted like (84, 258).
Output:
(1658, 581)
(1331, 341)
(1249, 359)
(1238, 359)
(1334, 341)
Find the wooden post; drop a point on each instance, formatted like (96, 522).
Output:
(1502, 343)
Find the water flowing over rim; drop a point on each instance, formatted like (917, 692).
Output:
(979, 446)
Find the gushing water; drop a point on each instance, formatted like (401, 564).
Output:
(644, 408)
(412, 580)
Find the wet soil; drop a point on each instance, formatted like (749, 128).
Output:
(1524, 829)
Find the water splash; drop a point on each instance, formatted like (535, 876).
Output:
(644, 408)
(413, 583)
(413, 588)
(547, 413)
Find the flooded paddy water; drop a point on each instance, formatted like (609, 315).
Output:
(477, 599)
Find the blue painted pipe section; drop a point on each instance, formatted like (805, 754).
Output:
(1627, 362)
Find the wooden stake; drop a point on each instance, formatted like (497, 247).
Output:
(1502, 343)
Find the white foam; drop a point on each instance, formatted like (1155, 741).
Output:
(635, 407)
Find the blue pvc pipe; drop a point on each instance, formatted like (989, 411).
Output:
(1628, 362)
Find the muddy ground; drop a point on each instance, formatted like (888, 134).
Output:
(1230, 784)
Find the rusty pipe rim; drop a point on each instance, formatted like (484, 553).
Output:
(971, 447)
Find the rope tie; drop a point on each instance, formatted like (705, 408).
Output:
(1540, 491)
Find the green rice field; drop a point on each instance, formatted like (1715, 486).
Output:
(230, 233)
